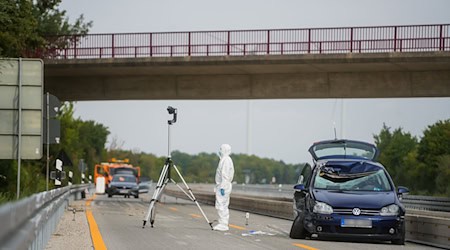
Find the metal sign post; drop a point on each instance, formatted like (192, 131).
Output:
(47, 139)
(52, 127)
(19, 143)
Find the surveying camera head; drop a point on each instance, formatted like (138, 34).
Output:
(172, 111)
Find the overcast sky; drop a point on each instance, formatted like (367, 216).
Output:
(278, 129)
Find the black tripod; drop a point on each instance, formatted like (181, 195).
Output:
(164, 178)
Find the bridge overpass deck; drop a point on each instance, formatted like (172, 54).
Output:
(369, 75)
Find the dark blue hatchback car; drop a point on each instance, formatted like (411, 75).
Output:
(347, 194)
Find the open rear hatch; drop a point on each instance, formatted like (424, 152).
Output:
(343, 149)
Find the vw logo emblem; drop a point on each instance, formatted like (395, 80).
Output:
(356, 211)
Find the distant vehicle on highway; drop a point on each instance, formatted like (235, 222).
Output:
(115, 166)
(347, 194)
(123, 184)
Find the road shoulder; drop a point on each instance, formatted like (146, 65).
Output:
(72, 231)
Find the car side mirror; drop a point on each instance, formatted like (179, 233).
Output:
(300, 188)
(402, 190)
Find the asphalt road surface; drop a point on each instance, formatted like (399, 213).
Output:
(179, 225)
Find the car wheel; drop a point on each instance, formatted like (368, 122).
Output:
(400, 241)
(298, 230)
(109, 195)
(136, 196)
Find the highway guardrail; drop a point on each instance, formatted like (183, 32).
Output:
(30, 222)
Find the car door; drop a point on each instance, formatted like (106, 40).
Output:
(302, 188)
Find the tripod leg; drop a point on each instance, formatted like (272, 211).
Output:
(153, 211)
(162, 181)
(192, 197)
(182, 190)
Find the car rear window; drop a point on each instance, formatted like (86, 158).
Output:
(121, 178)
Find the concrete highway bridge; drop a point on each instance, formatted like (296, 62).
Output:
(353, 62)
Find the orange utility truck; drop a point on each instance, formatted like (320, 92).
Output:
(115, 166)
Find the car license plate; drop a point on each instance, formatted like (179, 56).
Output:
(124, 191)
(356, 223)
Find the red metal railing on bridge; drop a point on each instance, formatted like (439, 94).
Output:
(413, 38)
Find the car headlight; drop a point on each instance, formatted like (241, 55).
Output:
(322, 208)
(389, 210)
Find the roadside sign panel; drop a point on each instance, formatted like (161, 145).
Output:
(54, 106)
(21, 81)
(54, 125)
(54, 131)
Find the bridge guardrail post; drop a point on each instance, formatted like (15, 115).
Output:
(228, 43)
(309, 41)
(112, 46)
(189, 43)
(351, 40)
(395, 38)
(74, 46)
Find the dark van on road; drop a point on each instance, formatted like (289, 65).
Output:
(347, 194)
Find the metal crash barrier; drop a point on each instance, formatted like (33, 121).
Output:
(422, 226)
(30, 222)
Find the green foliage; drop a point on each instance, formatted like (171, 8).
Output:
(443, 175)
(17, 27)
(4, 198)
(435, 142)
(81, 140)
(394, 147)
(8, 178)
(422, 166)
(27, 27)
(201, 168)
(32, 178)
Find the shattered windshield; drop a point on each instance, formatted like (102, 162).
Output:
(339, 178)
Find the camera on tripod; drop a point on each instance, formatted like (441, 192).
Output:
(165, 177)
(172, 111)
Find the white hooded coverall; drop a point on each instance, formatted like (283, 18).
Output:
(224, 177)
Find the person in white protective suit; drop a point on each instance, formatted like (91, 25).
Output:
(224, 177)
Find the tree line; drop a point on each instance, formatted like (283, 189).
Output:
(421, 164)
(201, 168)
